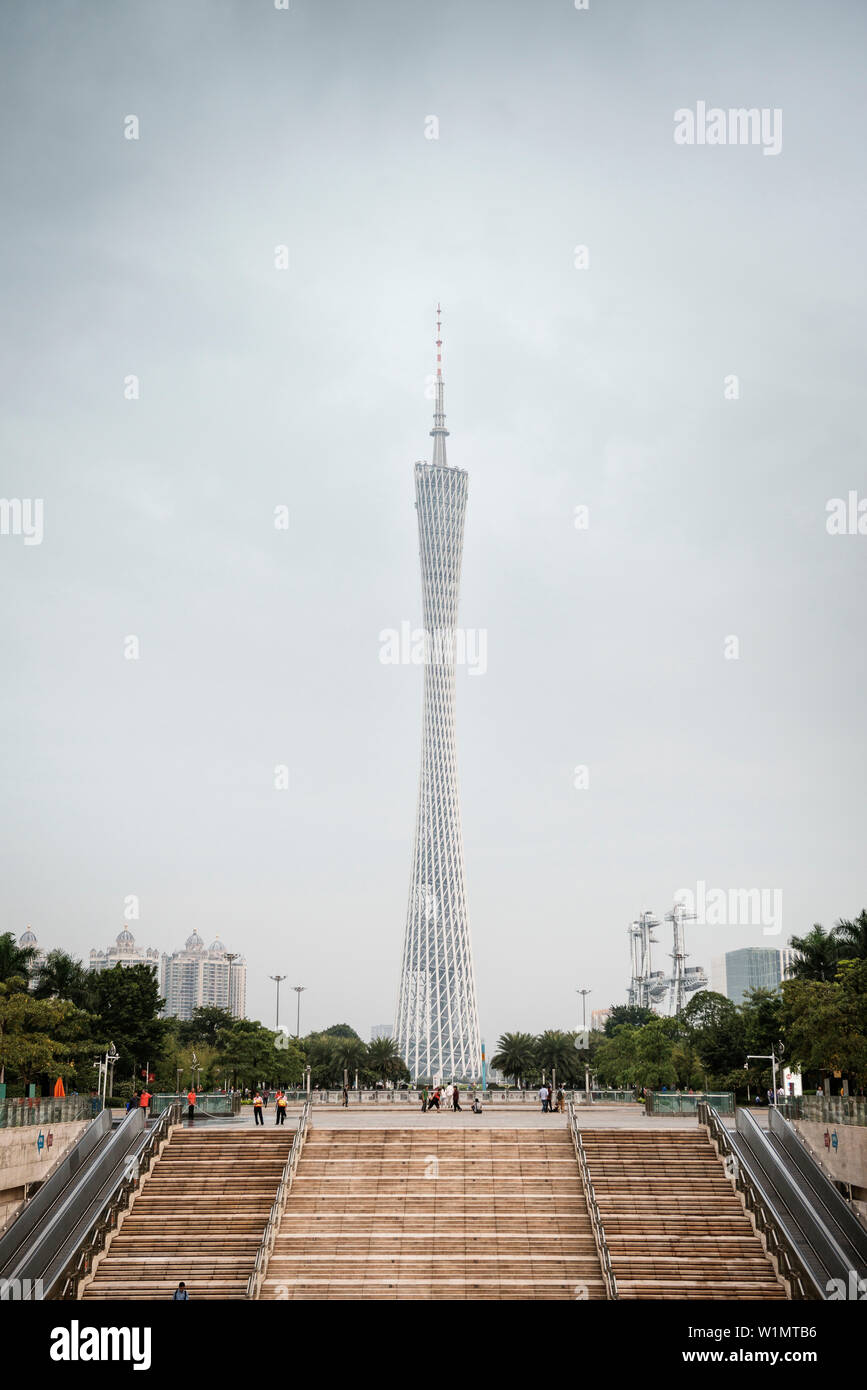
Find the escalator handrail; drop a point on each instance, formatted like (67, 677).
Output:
(833, 1203)
(824, 1248)
(34, 1262)
(22, 1229)
(778, 1243)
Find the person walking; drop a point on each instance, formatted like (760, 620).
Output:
(456, 1100)
(345, 1097)
(191, 1105)
(258, 1117)
(561, 1100)
(180, 1294)
(543, 1096)
(434, 1102)
(424, 1100)
(281, 1109)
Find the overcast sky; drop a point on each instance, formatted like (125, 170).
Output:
(602, 387)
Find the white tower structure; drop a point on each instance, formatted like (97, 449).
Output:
(437, 1023)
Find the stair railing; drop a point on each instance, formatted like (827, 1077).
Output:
(777, 1243)
(593, 1208)
(269, 1235)
(106, 1220)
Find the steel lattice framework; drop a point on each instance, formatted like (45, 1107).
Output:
(437, 1027)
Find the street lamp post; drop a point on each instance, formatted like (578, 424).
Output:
(584, 993)
(230, 957)
(278, 978)
(111, 1058)
(299, 990)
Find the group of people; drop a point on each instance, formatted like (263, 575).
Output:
(439, 1097)
(550, 1102)
(260, 1103)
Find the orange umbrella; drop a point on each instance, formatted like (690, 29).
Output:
(58, 1087)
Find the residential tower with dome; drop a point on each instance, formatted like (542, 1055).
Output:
(201, 975)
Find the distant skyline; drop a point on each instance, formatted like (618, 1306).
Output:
(195, 715)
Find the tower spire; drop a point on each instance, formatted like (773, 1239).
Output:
(439, 431)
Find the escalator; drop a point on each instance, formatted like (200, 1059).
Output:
(825, 1235)
(37, 1247)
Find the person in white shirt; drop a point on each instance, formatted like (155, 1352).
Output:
(543, 1096)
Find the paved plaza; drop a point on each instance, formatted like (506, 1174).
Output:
(492, 1117)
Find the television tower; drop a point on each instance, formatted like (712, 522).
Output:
(437, 1022)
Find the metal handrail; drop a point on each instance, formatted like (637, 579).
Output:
(106, 1220)
(593, 1208)
(269, 1235)
(789, 1262)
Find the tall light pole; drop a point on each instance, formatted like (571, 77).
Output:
(584, 993)
(278, 978)
(299, 990)
(230, 957)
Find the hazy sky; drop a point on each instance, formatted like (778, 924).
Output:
(565, 387)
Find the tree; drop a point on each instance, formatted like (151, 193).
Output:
(15, 961)
(762, 1012)
(28, 1027)
(385, 1062)
(616, 1061)
(64, 977)
(633, 1014)
(655, 1053)
(204, 1026)
(851, 937)
(556, 1050)
(515, 1055)
(816, 955)
(340, 1030)
(826, 1021)
(714, 1027)
(350, 1054)
(252, 1053)
(128, 1003)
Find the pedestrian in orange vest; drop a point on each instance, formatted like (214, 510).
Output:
(191, 1104)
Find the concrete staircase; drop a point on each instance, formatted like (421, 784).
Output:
(673, 1223)
(199, 1217)
(435, 1214)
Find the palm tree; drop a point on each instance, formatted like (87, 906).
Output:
(516, 1055)
(851, 937)
(555, 1051)
(15, 961)
(350, 1054)
(816, 955)
(383, 1058)
(64, 977)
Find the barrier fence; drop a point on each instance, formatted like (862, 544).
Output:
(46, 1110)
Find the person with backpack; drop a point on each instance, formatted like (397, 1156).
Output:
(180, 1294)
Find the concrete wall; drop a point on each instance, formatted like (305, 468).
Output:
(22, 1161)
(847, 1162)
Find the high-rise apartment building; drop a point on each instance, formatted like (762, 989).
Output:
(200, 976)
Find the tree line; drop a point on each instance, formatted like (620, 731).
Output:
(815, 1022)
(57, 1019)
